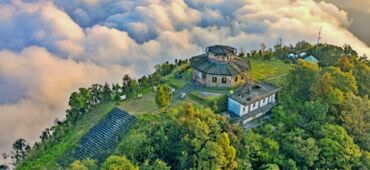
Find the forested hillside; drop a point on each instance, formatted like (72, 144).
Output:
(322, 120)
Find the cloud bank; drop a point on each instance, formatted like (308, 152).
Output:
(50, 48)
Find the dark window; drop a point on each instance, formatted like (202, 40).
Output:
(236, 79)
(203, 76)
(223, 80)
(214, 79)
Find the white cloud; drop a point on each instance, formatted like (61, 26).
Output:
(50, 48)
(44, 83)
(40, 24)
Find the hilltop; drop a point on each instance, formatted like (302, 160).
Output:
(321, 119)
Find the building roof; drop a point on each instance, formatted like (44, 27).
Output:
(254, 93)
(233, 67)
(311, 59)
(221, 50)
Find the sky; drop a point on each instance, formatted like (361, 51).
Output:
(50, 48)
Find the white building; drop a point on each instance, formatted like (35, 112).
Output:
(252, 102)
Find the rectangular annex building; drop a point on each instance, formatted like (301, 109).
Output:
(252, 102)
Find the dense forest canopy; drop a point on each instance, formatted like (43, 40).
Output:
(322, 121)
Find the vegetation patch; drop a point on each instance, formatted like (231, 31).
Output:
(142, 105)
(51, 150)
(180, 77)
(268, 69)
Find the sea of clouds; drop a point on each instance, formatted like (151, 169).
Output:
(49, 48)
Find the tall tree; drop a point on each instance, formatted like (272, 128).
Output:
(355, 118)
(118, 163)
(304, 151)
(338, 151)
(107, 92)
(158, 164)
(361, 72)
(20, 148)
(163, 95)
(86, 164)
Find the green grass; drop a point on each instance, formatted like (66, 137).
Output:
(178, 82)
(137, 106)
(268, 69)
(48, 157)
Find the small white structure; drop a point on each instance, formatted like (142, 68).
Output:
(302, 54)
(292, 56)
(183, 95)
(123, 97)
(252, 101)
(173, 90)
(154, 88)
(140, 95)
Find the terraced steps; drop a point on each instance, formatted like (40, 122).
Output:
(101, 140)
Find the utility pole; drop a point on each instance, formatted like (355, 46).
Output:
(220, 36)
(318, 42)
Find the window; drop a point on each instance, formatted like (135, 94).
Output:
(203, 76)
(236, 79)
(223, 80)
(214, 79)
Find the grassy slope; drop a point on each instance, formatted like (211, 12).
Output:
(47, 159)
(138, 106)
(261, 70)
(178, 83)
(272, 71)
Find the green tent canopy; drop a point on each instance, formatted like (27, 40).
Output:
(311, 59)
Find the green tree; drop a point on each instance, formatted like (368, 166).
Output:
(365, 161)
(343, 81)
(299, 81)
(355, 118)
(86, 164)
(262, 149)
(302, 46)
(270, 167)
(77, 165)
(315, 114)
(361, 72)
(79, 103)
(163, 95)
(157, 165)
(107, 92)
(304, 151)
(202, 139)
(322, 86)
(20, 148)
(345, 64)
(118, 163)
(338, 151)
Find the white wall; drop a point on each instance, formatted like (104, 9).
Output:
(264, 101)
(240, 110)
(244, 109)
(272, 99)
(254, 106)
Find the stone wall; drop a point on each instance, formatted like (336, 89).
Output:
(230, 80)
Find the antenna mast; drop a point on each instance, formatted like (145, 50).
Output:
(318, 41)
(220, 36)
